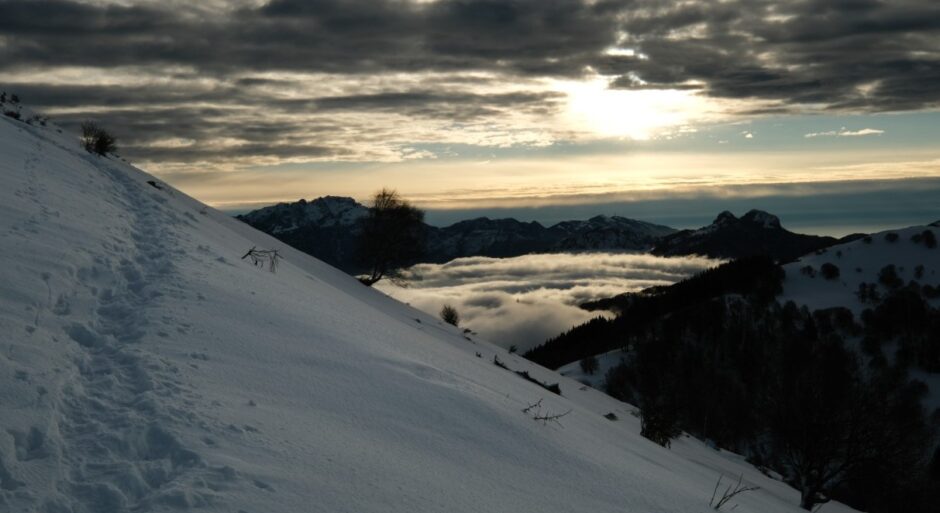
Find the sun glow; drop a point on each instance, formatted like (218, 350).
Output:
(596, 108)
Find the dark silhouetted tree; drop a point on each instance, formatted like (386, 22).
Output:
(656, 385)
(829, 271)
(589, 364)
(888, 276)
(618, 383)
(392, 236)
(930, 240)
(814, 421)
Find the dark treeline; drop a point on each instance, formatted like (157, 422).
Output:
(783, 386)
(822, 398)
(758, 276)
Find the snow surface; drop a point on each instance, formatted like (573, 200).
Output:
(145, 367)
(859, 261)
(605, 362)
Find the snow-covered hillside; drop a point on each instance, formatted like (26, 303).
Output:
(861, 261)
(145, 367)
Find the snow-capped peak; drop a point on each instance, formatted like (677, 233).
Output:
(326, 211)
(725, 217)
(761, 218)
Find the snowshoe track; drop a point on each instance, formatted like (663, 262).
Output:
(117, 436)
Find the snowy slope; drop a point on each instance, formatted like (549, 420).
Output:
(145, 367)
(605, 362)
(860, 261)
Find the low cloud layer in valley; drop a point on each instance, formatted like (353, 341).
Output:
(522, 301)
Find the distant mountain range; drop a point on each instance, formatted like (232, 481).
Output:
(327, 228)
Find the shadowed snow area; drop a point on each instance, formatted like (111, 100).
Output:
(523, 301)
(145, 367)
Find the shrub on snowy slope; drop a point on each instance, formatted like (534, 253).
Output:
(829, 271)
(96, 139)
(449, 315)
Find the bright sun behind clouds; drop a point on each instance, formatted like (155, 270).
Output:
(599, 110)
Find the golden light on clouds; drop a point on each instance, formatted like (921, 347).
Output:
(597, 109)
(533, 182)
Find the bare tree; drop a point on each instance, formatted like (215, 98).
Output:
(717, 502)
(392, 236)
(260, 257)
(831, 418)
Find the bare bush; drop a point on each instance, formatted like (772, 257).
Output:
(535, 411)
(262, 257)
(97, 140)
(717, 502)
(449, 315)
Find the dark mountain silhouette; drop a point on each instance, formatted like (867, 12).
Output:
(755, 233)
(327, 229)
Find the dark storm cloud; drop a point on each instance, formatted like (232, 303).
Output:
(254, 150)
(349, 36)
(196, 129)
(457, 106)
(271, 126)
(818, 51)
(64, 95)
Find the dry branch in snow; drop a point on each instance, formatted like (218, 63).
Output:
(260, 257)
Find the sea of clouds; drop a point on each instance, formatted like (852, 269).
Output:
(525, 300)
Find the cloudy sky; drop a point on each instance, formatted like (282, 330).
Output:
(497, 104)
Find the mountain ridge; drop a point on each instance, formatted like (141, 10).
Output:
(728, 236)
(326, 228)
